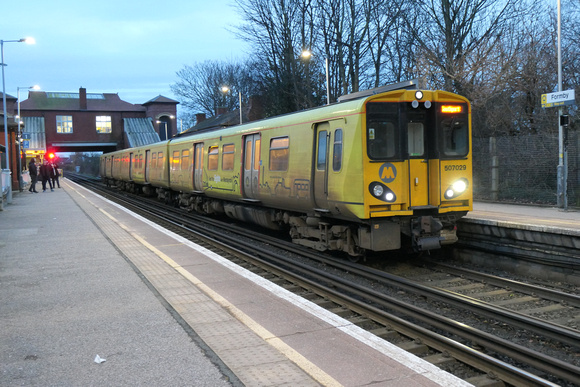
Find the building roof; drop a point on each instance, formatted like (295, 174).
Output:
(140, 131)
(161, 99)
(42, 100)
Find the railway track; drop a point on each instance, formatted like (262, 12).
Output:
(395, 308)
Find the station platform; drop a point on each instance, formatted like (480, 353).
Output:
(82, 280)
(541, 218)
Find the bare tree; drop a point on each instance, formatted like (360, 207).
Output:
(200, 86)
(455, 30)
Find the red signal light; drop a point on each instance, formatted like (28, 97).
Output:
(51, 156)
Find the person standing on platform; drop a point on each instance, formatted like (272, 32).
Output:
(54, 174)
(33, 170)
(45, 175)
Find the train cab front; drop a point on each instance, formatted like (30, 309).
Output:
(418, 164)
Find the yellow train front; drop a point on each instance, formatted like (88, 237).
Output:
(418, 170)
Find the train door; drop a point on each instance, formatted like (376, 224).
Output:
(198, 167)
(131, 159)
(252, 162)
(418, 162)
(320, 180)
(147, 166)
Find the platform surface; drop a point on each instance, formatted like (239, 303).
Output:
(81, 277)
(540, 217)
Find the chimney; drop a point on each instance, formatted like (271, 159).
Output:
(221, 110)
(199, 118)
(255, 108)
(82, 98)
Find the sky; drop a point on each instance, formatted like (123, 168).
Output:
(132, 48)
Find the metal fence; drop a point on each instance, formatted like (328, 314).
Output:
(524, 169)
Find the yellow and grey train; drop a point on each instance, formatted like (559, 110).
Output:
(377, 171)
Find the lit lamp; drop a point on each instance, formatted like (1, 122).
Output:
(19, 134)
(165, 124)
(29, 41)
(306, 54)
(225, 89)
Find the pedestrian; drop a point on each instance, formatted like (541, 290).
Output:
(54, 174)
(33, 171)
(45, 175)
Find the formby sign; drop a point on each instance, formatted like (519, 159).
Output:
(559, 98)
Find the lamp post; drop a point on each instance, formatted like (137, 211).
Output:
(29, 41)
(306, 54)
(19, 134)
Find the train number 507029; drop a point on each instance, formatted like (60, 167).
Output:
(455, 167)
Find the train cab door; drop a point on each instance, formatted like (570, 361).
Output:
(418, 163)
(198, 167)
(321, 166)
(252, 163)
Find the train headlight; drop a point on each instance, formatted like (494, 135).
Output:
(382, 192)
(457, 188)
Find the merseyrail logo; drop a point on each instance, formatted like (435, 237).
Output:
(387, 172)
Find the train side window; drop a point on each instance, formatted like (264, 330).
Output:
(321, 159)
(337, 151)
(185, 160)
(228, 153)
(212, 158)
(154, 160)
(415, 136)
(279, 153)
(175, 161)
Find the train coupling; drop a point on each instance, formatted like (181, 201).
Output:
(426, 233)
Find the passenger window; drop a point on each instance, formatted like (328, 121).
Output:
(175, 161)
(212, 158)
(337, 151)
(279, 154)
(228, 152)
(415, 137)
(185, 160)
(321, 159)
(154, 160)
(248, 152)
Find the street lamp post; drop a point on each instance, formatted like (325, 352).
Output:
(306, 54)
(19, 134)
(29, 41)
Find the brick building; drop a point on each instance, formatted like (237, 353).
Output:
(85, 122)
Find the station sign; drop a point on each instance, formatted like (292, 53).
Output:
(559, 98)
(25, 144)
(26, 136)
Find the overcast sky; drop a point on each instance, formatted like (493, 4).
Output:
(133, 48)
